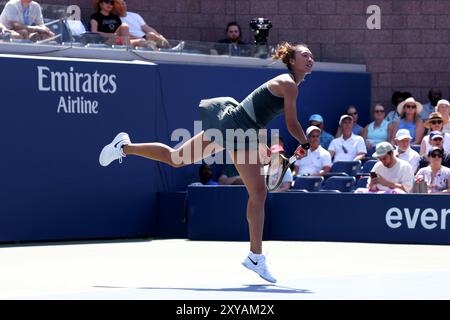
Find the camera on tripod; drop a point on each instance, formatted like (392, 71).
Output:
(260, 27)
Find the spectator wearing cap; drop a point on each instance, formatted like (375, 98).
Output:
(325, 138)
(443, 107)
(435, 122)
(404, 150)
(409, 111)
(434, 95)
(351, 111)
(436, 141)
(376, 131)
(435, 175)
(317, 161)
(348, 146)
(393, 175)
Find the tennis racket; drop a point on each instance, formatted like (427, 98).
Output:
(277, 169)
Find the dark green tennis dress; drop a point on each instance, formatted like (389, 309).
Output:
(234, 119)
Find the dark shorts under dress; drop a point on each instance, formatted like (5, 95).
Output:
(226, 113)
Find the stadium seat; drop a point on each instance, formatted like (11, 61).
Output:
(311, 184)
(342, 184)
(349, 167)
(361, 183)
(367, 166)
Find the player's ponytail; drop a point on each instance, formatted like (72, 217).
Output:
(286, 51)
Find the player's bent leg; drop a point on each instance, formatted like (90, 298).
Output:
(190, 152)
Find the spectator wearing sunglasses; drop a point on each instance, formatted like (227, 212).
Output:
(435, 122)
(348, 146)
(376, 131)
(443, 107)
(436, 141)
(317, 162)
(108, 24)
(409, 111)
(435, 175)
(351, 111)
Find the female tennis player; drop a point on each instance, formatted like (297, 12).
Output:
(272, 98)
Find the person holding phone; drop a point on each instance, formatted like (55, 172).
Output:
(390, 174)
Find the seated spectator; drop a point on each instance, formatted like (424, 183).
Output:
(108, 24)
(434, 95)
(443, 107)
(24, 18)
(404, 151)
(376, 131)
(317, 161)
(139, 29)
(390, 174)
(351, 111)
(231, 45)
(230, 176)
(435, 122)
(397, 98)
(435, 175)
(436, 141)
(348, 146)
(288, 178)
(409, 111)
(325, 138)
(205, 173)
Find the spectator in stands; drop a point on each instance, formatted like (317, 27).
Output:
(435, 122)
(231, 45)
(348, 146)
(325, 138)
(390, 174)
(139, 29)
(434, 95)
(396, 98)
(317, 161)
(443, 107)
(409, 111)
(436, 141)
(205, 173)
(404, 150)
(230, 176)
(108, 24)
(435, 175)
(376, 131)
(24, 18)
(351, 111)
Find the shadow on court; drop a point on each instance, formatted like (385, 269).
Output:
(255, 288)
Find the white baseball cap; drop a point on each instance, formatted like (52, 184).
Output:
(403, 134)
(344, 116)
(311, 129)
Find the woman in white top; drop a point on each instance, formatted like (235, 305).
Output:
(436, 176)
(443, 106)
(435, 122)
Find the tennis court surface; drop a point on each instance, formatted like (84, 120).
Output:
(197, 270)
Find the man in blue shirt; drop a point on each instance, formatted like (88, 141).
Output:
(325, 137)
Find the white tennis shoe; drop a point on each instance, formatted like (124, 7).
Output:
(257, 263)
(113, 151)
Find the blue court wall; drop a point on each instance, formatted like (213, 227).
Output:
(218, 213)
(51, 185)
